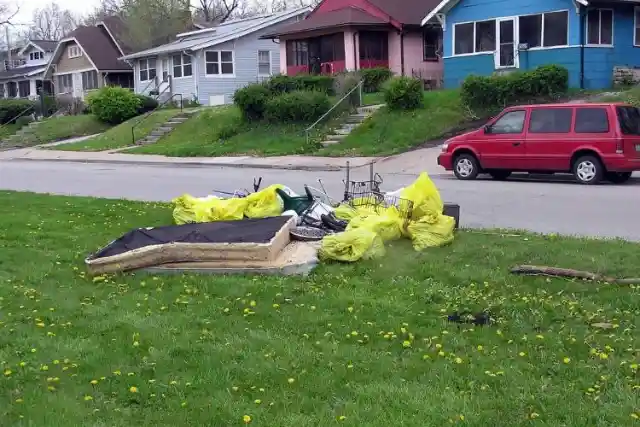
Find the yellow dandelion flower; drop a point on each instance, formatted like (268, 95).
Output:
(22, 364)
(246, 419)
(257, 401)
(540, 337)
(44, 368)
(458, 360)
(234, 388)
(94, 382)
(117, 373)
(461, 417)
(133, 389)
(19, 400)
(480, 348)
(342, 418)
(406, 344)
(534, 415)
(56, 362)
(604, 356)
(51, 388)
(354, 333)
(291, 380)
(183, 404)
(522, 354)
(438, 345)
(566, 360)
(441, 353)
(252, 303)
(88, 398)
(7, 372)
(350, 309)
(635, 416)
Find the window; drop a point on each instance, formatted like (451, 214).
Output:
(182, 66)
(592, 120)
(219, 63)
(24, 88)
(35, 56)
(264, 63)
(544, 30)
(65, 83)
(297, 53)
(432, 41)
(550, 120)
(1, 90)
(90, 80)
(511, 122)
(636, 26)
(147, 69)
(74, 51)
(600, 26)
(474, 37)
(629, 118)
(12, 89)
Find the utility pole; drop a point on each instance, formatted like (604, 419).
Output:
(6, 32)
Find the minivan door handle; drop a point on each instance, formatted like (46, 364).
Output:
(515, 144)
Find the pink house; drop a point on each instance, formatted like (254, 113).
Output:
(341, 35)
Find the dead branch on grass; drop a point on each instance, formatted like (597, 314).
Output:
(535, 270)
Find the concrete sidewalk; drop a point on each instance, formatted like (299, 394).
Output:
(410, 163)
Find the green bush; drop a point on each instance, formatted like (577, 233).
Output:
(403, 93)
(281, 84)
(284, 84)
(45, 106)
(252, 100)
(114, 105)
(146, 104)
(374, 78)
(491, 93)
(298, 106)
(10, 109)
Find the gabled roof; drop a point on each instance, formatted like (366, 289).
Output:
(407, 12)
(446, 5)
(336, 18)
(43, 45)
(21, 72)
(230, 30)
(117, 30)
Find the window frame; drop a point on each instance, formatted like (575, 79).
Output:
(613, 26)
(569, 128)
(474, 41)
(542, 46)
(606, 115)
(74, 48)
(60, 77)
(258, 63)
(148, 69)
(220, 62)
(181, 66)
(438, 45)
(636, 22)
(524, 122)
(86, 80)
(39, 54)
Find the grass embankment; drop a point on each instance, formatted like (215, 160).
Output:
(120, 136)
(221, 132)
(59, 128)
(366, 344)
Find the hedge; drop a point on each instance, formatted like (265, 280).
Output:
(297, 106)
(114, 105)
(490, 93)
(403, 93)
(374, 78)
(11, 108)
(251, 100)
(283, 84)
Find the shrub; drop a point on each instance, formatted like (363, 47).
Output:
(281, 84)
(146, 103)
(45, 106)
(11, 108)
(284, 84)
(298, 106)
(490, 93)
(374, 78)
(403, 93)
(67, 104)
(252, 100)
(114, 105)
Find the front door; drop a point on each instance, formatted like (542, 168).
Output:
(164, 82)
(502, 145)
(506, 55)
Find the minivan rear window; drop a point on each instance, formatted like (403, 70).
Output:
(550, 120)
(592, 120)
(629, 118)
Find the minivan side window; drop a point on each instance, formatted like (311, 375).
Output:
(629, 118)
(550, 120)
(592, 120)
(511, 122)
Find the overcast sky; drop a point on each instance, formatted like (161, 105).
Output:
(27, 7)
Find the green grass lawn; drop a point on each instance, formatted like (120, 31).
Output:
(221, 132)
(366, 344)
(120, 136)
(7, 130)
(390, 132)
(64, 127)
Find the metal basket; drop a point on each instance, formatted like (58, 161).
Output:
(378, 202)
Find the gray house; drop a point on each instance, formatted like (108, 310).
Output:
(208, 65)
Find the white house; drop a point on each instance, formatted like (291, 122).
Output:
(209, 65)
(22, 76)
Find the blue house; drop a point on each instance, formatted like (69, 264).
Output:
(593, 40)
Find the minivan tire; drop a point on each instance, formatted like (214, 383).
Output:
(466, 167)
(500, 175)
(618, 177)
(588, 170)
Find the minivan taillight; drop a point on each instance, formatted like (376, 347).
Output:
(619, 145)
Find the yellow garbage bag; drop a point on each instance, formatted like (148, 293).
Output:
(228, 209)
(264, 203)
(425, 197)
(345, 212)
(351, 246)
(432, 230)
(183, 209)
(387, 224)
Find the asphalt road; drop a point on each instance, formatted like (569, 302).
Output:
(558, 206)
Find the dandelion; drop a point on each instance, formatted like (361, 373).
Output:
(566, 360)
(56, 362)
(19, 400)
(635, 416)
(133, 389)
(252, 303)
(117, 373)
(406, 343)
(7, 372)
(480, 348)
(534, 415)
(246, 419)
(94, 382)
(522, 354)
(183, 404)
(22, 364)
(234, 388)
(342, 418)
(291, 380)
(44, 368)
(88, 398)
(458, 360)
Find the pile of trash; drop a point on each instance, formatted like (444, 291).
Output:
(352, 230)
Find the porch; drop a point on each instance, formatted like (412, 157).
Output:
(25, 88)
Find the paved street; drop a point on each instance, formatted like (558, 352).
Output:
(561, 207)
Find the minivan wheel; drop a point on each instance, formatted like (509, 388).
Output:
(588, 170)
(618, 177)
(466, 167)
(500, 175)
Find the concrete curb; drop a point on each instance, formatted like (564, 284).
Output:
(311, 168)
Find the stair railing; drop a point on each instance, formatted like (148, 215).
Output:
(144, 117)
(357, 87)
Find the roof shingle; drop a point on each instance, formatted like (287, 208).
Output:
(97, 44)
(407, 12)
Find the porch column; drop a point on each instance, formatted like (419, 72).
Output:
(33, 91)
(283, 57)
(350, 52)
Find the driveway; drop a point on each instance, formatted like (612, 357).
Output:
(544, 206)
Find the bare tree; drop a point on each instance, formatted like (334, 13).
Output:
(52, 22)
(105, 8)
(217, 11)
(8, 12)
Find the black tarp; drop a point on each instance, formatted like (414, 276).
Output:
(245, 231)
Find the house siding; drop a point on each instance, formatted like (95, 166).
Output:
(67, 65)
(599, 62)
(414, 63)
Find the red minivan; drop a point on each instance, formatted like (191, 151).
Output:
(591, 141)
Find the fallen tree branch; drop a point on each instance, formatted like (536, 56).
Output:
(536, 270)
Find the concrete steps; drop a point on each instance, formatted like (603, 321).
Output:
(350, 123)
(24, 137)
(165, 128)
